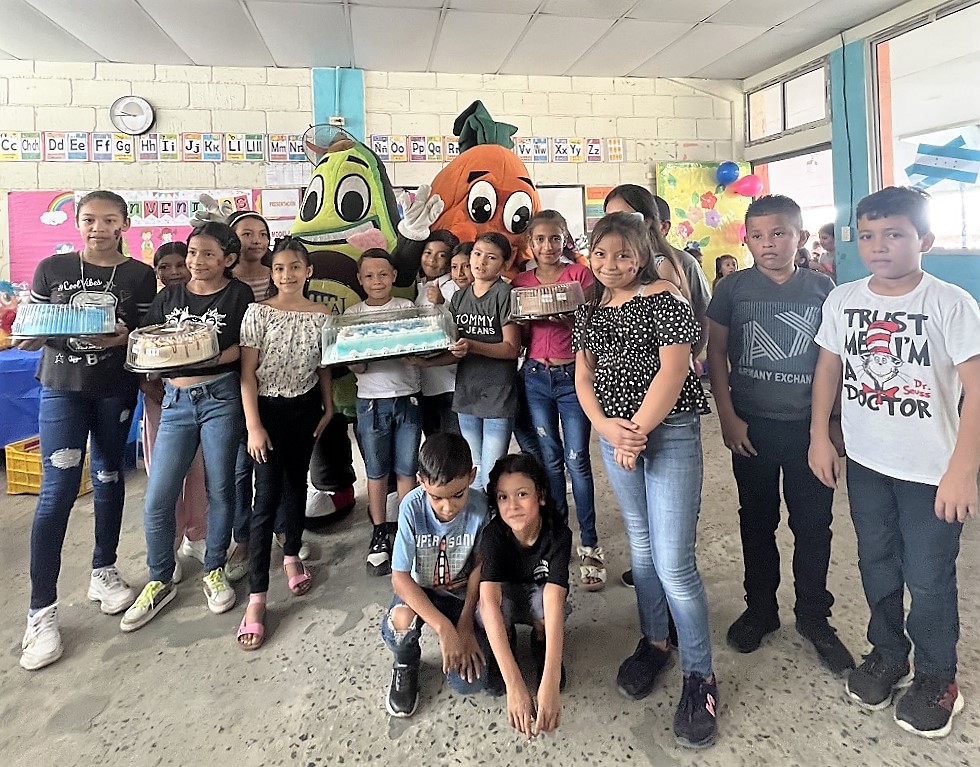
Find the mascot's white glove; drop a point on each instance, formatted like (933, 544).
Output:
(210, 210)
(420, 214)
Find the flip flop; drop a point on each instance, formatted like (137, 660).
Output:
(298, 584)
(256, 630)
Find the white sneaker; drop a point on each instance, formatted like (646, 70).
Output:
(304, 549)
(220, 594)
(106, 586)
(42, 641)
(194, 549)
(178, 575)
(152, 599)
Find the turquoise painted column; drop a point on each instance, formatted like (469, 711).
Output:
(339, 92)
(850, 147)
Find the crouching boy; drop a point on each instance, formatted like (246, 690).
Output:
(436, 574)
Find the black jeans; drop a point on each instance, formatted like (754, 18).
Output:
(782, 448)
(290, 422)
(437, 414)
(902, 543)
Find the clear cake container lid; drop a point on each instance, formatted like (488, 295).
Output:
(43, 320)
(164, 361)
(438, 316)
(557, 298)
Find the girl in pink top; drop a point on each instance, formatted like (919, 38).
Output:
(548, 378)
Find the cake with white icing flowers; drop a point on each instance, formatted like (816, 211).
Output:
(545, 300)
(172, 345)
(395, 333)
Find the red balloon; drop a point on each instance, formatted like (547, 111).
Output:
(749, 186)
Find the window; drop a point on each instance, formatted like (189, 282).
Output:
(794, 102)
(928, 117)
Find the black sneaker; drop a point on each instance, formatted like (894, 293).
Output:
(746, 633)
(833, 654)
(495, 686)
(638, 673)
(538, 649)
(379, 555)
(874, 682)
(696, 719)
(929, 706)
(627, 579)
(403, 693)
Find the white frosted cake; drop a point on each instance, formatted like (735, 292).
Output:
(169, 346)
(45, 320)
(544, 300)
(395, 333)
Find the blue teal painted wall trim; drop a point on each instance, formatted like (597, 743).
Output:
(850, 147)
(339, 92)
(850, 78)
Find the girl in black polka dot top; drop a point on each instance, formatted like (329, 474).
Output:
(635, 382)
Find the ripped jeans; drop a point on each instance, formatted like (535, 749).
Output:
(404, 645)
(66, 421)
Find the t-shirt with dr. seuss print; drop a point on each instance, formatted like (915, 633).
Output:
(899, 405)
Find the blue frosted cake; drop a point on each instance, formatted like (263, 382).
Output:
(386, 334)
(42, 320)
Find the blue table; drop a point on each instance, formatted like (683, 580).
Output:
(19, 395)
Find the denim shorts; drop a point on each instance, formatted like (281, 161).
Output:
(389, 431)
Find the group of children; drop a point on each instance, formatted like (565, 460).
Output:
(800, 370)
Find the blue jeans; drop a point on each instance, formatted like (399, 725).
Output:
(404, 645)
(902, 543)
(551, 397)
(524, 433)
(489, 441)
(208, 414)
(66, 420)
(389, 432)
(660, 502)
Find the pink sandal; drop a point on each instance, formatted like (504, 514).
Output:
(298, 584)
(255, 630)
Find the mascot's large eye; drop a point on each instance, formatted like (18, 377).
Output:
(313, 200)
(353, 198)
(517, 212)
(482, 202)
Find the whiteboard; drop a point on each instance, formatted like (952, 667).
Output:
(570, 202)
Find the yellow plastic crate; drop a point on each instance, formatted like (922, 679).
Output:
(24, 468)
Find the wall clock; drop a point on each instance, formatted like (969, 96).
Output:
(132, 115)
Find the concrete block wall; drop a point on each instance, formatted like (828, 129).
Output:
(39, 95)
(50, 96)
(660, 120)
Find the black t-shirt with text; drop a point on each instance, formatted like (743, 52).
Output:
(223, 311)
(505, 560)
(72, 364)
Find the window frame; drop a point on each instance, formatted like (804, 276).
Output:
(822, 64)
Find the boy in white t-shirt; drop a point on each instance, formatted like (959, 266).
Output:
(388, 419)
(899, 348)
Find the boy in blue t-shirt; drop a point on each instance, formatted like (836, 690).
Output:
(761, 358)
(436, 574)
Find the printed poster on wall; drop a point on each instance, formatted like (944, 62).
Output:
(703, 212)
(43, 223)
(278, 203)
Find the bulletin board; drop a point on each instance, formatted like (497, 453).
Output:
(704, 212)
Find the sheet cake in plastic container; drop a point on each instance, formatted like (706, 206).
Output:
(52, 320)
(351, 338)
(546, 300)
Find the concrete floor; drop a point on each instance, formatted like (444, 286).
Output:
(180, 692)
